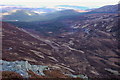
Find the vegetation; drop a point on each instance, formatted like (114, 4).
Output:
(9, 75)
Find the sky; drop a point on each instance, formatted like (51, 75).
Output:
(51, 3)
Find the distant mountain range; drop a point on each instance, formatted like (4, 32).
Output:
(45, 9)
(28, 15)
(13, 13)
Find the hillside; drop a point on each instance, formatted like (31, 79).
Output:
(84, 44)
(92, 48)
(108, 9)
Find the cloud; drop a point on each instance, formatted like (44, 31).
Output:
(50, 3)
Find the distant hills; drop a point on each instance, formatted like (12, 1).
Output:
(28, 15)
(21, 13)
(6, 8)
(12, 13)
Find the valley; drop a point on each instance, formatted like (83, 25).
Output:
(82, 44)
